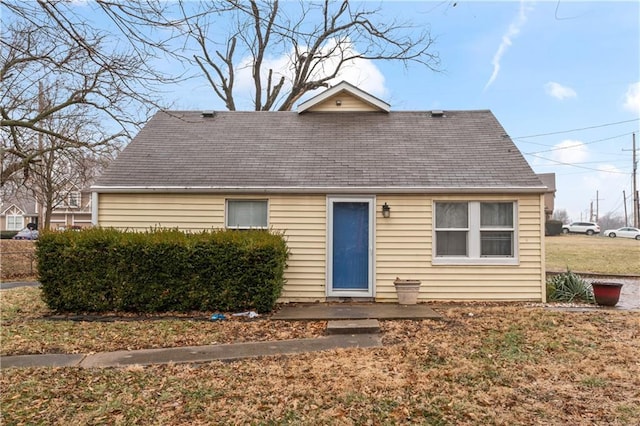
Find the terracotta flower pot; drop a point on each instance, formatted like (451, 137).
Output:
(606, 293)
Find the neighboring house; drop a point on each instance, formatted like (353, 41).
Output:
(73, 211)
(16, 214)
(549, 180)
(465, 210)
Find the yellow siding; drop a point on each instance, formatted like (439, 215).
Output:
(303, 221)
(347, 103)
(301, 218)
(140, 212)
(403, 249)
(402, 242)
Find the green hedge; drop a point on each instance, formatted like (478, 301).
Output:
(100, 270)
(552, 227)
(7, 235)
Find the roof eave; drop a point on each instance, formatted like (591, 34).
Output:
(318, 190)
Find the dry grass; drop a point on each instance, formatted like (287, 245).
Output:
(492, 364)
(17, 260)
(484, 364)
(28, 327)
(581, 253)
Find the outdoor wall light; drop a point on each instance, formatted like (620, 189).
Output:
(386, 210)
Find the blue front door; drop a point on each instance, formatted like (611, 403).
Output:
(350, 250)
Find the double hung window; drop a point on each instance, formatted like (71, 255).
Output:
(475, 230)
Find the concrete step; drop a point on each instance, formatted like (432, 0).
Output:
(355, 326)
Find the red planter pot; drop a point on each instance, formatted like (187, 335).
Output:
(606, 293)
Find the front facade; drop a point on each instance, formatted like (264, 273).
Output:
(362, 195)
(72, 212)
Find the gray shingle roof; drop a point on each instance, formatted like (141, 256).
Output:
(312, 151)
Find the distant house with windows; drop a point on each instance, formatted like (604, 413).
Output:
(74, 210)
(363, 195)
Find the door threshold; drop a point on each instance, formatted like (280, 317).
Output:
(335, 299)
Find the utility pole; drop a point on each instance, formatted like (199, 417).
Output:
(597, 206)
(634, 179)
(626, 217)
(636, 201)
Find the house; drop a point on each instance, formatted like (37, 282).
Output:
(17, 213)
(21, 209)
(363, 195)
(549, 180)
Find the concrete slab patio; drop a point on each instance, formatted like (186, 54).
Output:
(348, 311)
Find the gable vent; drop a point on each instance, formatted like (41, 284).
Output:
(437, 113)
(208, 114)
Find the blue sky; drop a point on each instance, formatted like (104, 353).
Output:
(542, 68)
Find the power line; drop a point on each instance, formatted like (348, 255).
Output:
(583, 143)
(575, 130)
(580, 167)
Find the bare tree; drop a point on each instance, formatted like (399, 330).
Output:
(561, 215)
(65, 168)
(611, 220)
(46, 48)
(320, 39)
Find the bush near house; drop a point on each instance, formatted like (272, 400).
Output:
(99, 270)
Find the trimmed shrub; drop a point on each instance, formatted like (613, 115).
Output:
(569, 287)
(99, 270)
(7, 235)
(553, 227)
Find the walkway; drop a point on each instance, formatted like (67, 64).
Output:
(359, 331)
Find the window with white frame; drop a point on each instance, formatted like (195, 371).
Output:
(73, 199)
(475, 230)
(246, 214)
(14, 222)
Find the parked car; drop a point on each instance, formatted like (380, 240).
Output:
(588, 228)
(626, 232)
(27, 233)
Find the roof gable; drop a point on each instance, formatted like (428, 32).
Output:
(344, 97)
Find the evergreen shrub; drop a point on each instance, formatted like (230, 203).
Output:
(161, 270)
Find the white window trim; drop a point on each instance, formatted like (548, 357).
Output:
(473, 237)
(78, 196)
(17, 218)
(226, 213)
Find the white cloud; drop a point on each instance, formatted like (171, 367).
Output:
(512, 31)
(632, 98)
(570, 152)
(559, 91)
(361, 73)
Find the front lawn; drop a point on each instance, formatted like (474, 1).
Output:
(483, 364)
(595, 254)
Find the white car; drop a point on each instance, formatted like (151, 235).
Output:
(27, 233)
(588, 228)
(626, 232)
